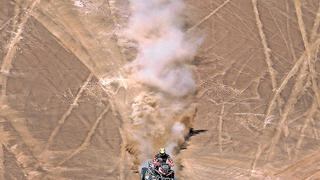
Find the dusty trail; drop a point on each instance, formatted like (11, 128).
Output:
(12, 45)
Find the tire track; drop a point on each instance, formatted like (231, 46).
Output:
(209, 15)
(265, 45)
(300, 81)
(311, 112)
(11, 140)
(88, 138)
(297, 4)
(62, 120)
(12, 47)
(302, 163)
(286, 79)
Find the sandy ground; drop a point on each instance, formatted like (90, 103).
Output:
(257, 101)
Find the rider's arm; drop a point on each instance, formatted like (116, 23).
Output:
(155, 160)
(170, 161)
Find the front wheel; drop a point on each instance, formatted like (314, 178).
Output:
(143, 173)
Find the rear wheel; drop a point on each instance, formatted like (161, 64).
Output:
(172, 175)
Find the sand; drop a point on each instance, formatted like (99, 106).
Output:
(255, 114)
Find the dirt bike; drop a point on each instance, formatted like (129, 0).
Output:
(162, 172)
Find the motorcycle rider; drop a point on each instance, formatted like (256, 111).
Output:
(162, 157)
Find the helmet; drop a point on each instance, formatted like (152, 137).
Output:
(162, 151)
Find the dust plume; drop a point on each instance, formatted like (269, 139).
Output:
(161, 112)
(164, 51)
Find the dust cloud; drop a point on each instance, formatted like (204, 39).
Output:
(162, 113)
(164, 51)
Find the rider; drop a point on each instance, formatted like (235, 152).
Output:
(162, 157)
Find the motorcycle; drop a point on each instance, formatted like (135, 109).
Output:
(162, 172)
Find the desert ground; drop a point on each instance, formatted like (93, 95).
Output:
(65, 100)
